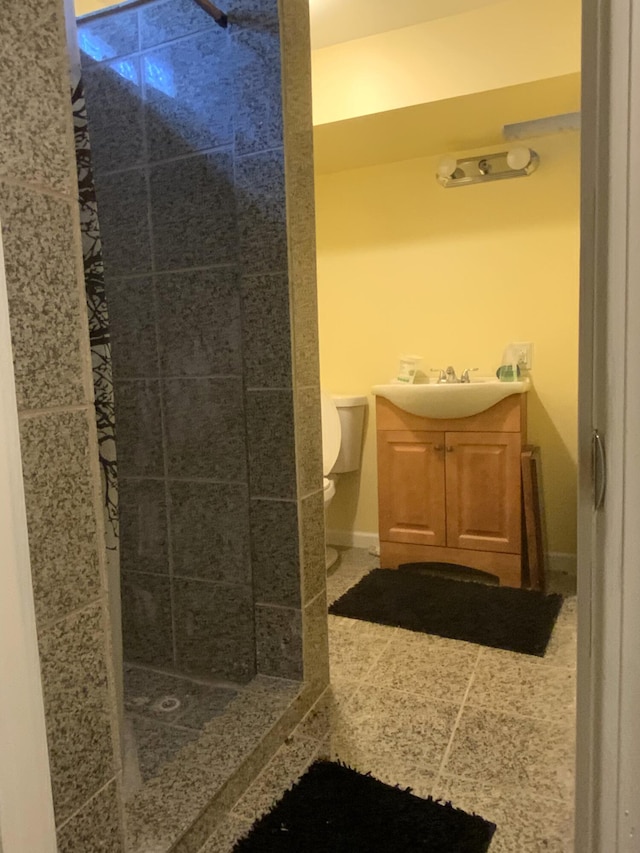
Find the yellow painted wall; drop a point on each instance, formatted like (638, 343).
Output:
(405, 266)
(503, 44)
(83, 7)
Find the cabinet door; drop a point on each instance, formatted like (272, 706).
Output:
(483, 491)
(412, 487)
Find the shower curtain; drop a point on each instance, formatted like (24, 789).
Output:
(98, 319)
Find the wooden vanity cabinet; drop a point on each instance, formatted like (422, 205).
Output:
(449, 491)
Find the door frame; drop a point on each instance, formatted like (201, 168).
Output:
(608, 743)
(608, 754)
(26, 804)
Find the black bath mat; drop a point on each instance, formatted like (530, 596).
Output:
(334, 809)
(520, 620)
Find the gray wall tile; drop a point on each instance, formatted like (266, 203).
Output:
(275, 552)
(114, 109)
(226, 651)
(314, 570)
(262, 213)
(139, 428)
(194, 223)
(256, 13)
(304, 305)
(124, 222)
(205, 432)
(53, 372)
(188, 103)
(309, 440)
(298, 146)
(258, 89)
(132, 326)
(298, 128)
(74, 680)
(143, 535)
(193, 212)
(44, 298)
(96, 827)
(316, 641)
(270, 436)
(146, 619)
(108, 36)
(35, 140)
(267, 337)
(279, 641)
(210, 531)
(60, 509)
(162, 22)
(199, 323)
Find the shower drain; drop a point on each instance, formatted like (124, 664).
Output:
(167, 704)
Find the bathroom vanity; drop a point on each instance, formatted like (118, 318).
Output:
(449, 490)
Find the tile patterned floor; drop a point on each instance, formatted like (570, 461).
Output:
(493, 731)
(178, 761)
(163, 713)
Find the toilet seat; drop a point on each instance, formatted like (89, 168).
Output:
(329, 488)
(331, 433)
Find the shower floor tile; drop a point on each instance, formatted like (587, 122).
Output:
(493, 731)
(171, 699)
(165, 712)
(184, 740)
(149, 746)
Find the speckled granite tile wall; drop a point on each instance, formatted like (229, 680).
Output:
(38, 211)
(298, 165)
(205, 190)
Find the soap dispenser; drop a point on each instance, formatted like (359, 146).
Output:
(509, 370)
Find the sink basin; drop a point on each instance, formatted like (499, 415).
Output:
(435, 400)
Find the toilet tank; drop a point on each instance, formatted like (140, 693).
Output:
(352, 413)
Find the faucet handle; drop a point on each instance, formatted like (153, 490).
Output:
(442, 375)
(465, 377)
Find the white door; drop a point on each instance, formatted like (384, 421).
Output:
(26, 808)
(608, 765)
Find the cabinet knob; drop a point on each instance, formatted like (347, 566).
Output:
(438, 447)
(450, 449)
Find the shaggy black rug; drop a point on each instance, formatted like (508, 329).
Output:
(334, 809)
(520, 620)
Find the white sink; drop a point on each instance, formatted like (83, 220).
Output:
(436, 400)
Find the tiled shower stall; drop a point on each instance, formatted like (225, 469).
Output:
(202, 151)
(185, 123)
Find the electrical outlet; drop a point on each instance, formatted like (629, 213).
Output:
(524, 354)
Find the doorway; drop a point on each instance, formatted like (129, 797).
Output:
(452, 276)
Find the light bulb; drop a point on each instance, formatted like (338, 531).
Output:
(519, 157)
(447, 166)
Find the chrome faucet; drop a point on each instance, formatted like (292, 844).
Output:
(448, 376)
(465, 378)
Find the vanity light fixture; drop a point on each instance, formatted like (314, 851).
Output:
(517, 162)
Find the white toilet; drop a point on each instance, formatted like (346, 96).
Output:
(342, 434)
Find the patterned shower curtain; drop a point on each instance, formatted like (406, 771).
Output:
(98, 319)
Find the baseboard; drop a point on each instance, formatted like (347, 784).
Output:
(352, 539)
(556, 561)
(566, 564)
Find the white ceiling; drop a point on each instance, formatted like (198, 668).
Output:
(334, 21)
